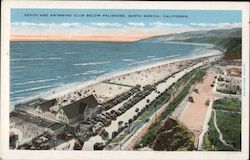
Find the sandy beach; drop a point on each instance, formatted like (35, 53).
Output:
(108, 88)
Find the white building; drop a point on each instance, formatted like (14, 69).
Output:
(84, 108)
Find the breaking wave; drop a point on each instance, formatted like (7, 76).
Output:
(33, 89)
(36, 81)
(35, 59)
(91, 63)
(153, 59)
(127, 60)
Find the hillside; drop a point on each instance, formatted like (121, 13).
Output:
(226, 39)
(173, 136)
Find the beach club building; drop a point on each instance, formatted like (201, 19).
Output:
(82, 109)
(44, 106)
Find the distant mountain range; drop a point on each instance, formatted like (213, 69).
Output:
(226, 39)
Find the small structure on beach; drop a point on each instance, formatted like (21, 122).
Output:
(86, 127)
(84, 108)
(55, 129)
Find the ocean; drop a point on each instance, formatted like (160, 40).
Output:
(39, 67)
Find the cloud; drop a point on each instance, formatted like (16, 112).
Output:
(28, 24)
(104, 24)
(136, 24)
(70, 24)
(161, 24)
(216, 25)
(132, 29)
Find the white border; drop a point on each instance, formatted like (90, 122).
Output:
(5, 153)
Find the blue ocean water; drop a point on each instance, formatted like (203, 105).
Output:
(36, 67)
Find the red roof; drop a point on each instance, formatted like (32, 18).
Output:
(235, 75)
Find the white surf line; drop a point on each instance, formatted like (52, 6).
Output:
(218, 130)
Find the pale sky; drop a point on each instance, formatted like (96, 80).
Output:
(125, 25)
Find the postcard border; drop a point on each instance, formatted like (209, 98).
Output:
(14, 154)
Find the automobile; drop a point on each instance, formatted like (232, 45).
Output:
(114, 134)
(108, 116)
(108, 113)
(93, 121)
(44, 139)
(118, 113)
(100, 123)
(137, 110)
(113, 116)
(102, 117)
(99, 146)
(112, 111)
(44, 146)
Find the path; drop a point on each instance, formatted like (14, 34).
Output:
(218, 130)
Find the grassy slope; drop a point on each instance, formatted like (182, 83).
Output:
(211, 138)
(232, 46)
(227, 104)
(229, 124)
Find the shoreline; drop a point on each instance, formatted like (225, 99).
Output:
(71, 87)
(157, 74)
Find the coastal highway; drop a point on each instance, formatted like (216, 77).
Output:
(141, 104)
(143, 130)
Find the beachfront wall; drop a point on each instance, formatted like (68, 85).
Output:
(31, 118)
(61, 116)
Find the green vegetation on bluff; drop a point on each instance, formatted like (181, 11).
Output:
(211, 140)
(233, 47)
(228, 40)
(173, 136)
(228, 118)
(229, 104)
(229, 124)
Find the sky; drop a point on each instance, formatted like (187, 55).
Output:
(114, 25)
